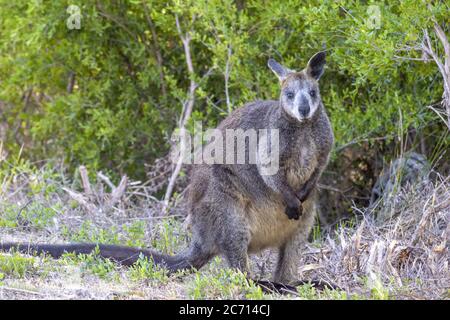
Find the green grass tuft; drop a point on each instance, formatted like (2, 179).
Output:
(16, 265)
(145, 269)
(224, 283)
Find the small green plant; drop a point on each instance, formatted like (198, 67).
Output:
(104, 268)
(224, 283)
(91, 233)
(308, 292)
(5, 223)
(16, 265)
(378, 291)
(39, 182)
(9, 215)
(330, 294)
(316, 233)
(145, 269)
(169, 239)
(135, 234)
(346, 224)
(37, 214)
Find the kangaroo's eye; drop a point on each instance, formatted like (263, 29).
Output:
(290, 95)
(312, 93)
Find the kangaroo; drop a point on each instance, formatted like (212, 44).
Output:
(234, 209)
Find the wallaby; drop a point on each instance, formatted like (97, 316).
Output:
(234, 209)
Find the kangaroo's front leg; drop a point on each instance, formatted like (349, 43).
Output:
(278, 183)
(307, 188)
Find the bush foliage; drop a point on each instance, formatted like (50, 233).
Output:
(109, 94)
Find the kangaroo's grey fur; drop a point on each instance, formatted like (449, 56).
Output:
(234, 210)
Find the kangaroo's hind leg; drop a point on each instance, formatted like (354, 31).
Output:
(234, 243)
(234, 237)
(221, 229)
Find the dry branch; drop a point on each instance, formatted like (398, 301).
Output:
(71, 82)
(78, 197)
(118, 192)
(227, 77)
(85, 181)
(106, 180)
(188, 105)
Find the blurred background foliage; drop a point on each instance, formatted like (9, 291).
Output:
(110, 94)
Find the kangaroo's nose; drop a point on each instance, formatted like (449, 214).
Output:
(303, 109)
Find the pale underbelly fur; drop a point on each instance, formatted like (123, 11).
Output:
(268, 223)
(270, 226)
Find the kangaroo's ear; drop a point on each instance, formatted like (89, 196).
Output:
(280, 71)
(316, 65)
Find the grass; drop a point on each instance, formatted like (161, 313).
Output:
(145, 270)
(366, 259)
(16, 265)
(89, 232)
(224, 283)
(93, 263)
(170, 236)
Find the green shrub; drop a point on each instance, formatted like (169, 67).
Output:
(125, 101)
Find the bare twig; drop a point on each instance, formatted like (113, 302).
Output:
(227, 77)
(443, 38)
(78, 197)
(118, 192)
(21, 290)
(71, 82)
(85, 181)
(23, 208)
(187, 107)
(106, 180)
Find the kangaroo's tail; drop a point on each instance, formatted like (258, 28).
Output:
(191, 258)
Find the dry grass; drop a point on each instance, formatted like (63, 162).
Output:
(403, 258)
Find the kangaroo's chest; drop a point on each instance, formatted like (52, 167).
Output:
(301, 163)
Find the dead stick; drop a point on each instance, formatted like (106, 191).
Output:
(118, 192)
(106, 180)
(78, 197)
(85, 180)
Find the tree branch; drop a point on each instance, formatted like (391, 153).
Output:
(227, 77)
(187, 107)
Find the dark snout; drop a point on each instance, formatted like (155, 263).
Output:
(304, 107)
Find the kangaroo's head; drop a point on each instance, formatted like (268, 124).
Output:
(300, 97)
